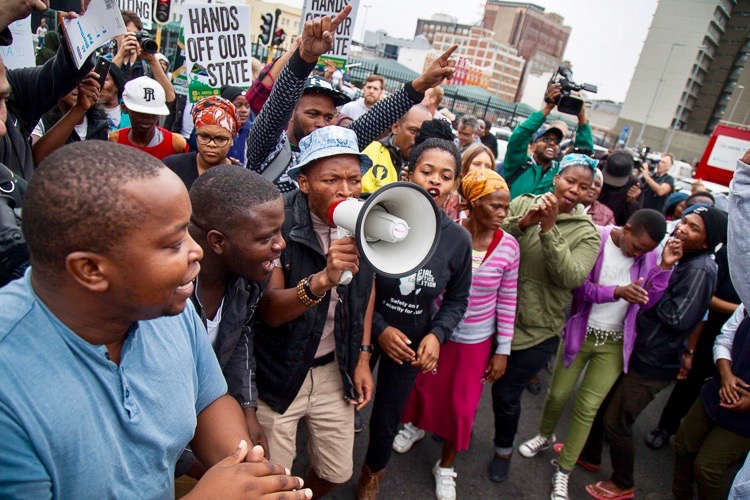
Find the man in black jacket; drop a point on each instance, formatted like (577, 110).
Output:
(312, 340)
(237, 217)
(662, 348)
(34, 92)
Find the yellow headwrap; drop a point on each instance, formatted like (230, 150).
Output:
(479, 183)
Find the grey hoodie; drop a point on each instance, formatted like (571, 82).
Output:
(739, 231)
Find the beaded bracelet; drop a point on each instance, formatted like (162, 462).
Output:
(305, 293)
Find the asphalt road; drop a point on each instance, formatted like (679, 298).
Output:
(409, 476)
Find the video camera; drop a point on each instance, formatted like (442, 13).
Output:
(14, 254)
(147, 43)
(568, 103)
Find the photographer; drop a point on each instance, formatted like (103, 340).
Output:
(130, 55)
(657, 189)
(534, 174)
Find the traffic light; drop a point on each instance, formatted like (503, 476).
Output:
(266, 28)
(161, 15)
(278, 37)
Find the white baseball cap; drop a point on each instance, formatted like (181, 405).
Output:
(145, 95)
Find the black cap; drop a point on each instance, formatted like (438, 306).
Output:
(319, 85)
(618, 169)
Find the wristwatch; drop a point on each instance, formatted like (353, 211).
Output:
(245, 404)
(366, 348)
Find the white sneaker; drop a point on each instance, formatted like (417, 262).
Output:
(536, 444)
(406, 437)
(445, 482)
(559, 486)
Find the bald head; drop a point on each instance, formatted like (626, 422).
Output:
(406, 129)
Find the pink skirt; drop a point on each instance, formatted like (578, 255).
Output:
(446, 402)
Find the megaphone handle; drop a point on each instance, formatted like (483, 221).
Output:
(346, 278)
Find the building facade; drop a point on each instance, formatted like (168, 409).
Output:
(690, 75)
(540, 37)
(482, 61)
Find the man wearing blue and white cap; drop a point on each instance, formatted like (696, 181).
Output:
(299, 104)
(312, 337)
(533, 173)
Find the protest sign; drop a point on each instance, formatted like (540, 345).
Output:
(144, 9)
(86, 33)
(217, 47)
(339, 54)
(20, 54)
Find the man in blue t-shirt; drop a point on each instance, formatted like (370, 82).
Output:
(108, 373)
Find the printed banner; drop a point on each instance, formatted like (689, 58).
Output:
(339, 53)
(144, 9)
(20, 54)
(217, 47)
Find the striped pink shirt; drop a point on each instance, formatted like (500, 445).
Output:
(492, 301)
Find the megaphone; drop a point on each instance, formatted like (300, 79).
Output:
(396, 229)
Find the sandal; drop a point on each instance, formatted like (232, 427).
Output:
(591, 489)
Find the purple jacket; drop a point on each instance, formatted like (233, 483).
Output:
(645, 266)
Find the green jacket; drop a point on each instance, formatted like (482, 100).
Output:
(535, 179)
(552, 265)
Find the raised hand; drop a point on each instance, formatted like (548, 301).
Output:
(317, 35)
(441, 69)
(672, 253)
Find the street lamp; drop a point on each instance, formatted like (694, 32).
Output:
(656, 94)
(734, 108)
(684, 101)
(364, 22)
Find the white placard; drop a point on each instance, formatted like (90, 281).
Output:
(218, 37)
(727, 150)
(144, 9)
(98, 25)
(339, 53)
(20, 54)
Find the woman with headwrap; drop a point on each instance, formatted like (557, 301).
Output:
(216, 124)
(559, 246)
(445, 401)
(110, 99)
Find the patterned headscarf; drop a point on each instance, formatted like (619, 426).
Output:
(577, 159)
(479, 183)
(216, 110)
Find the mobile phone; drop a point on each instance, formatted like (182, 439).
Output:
(102, 69)
(65, 5)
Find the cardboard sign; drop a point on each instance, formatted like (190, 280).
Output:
(217, 46)
(20, 54)
(339, 53)
(144, 9)
(101, 22)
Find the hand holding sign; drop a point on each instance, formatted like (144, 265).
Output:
(317, 35)
(441, 69)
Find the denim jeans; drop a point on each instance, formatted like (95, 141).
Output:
(507, 391)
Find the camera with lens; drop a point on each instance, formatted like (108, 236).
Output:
(147, 43)
(567, 102)
(14, 253)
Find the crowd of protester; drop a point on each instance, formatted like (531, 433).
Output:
(171, 287)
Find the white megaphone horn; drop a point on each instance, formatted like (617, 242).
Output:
(396, 229)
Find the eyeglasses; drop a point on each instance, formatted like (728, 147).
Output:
(549, 139)
(219, 140)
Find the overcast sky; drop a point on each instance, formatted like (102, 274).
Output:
(604, 45)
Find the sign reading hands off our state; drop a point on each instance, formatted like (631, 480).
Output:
(217, 47)
(339, 53)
